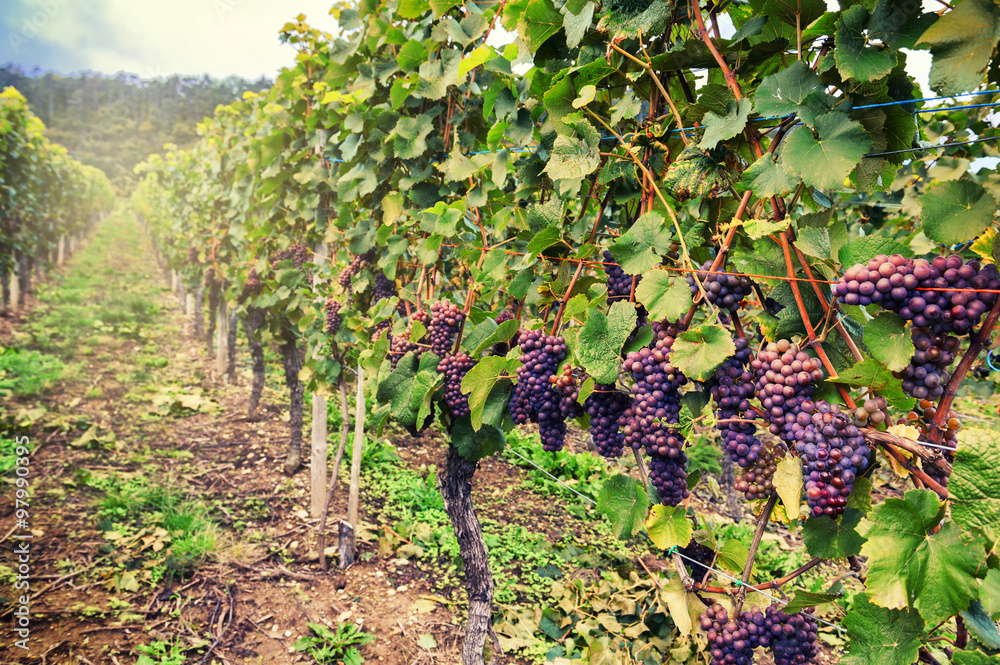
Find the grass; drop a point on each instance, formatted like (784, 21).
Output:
(26, 373)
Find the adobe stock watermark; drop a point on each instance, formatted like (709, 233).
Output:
(22, 536)
(223, 7)
(32, 25)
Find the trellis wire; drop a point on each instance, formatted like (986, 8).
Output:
(582, 496)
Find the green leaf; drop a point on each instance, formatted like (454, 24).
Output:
(576, 24)
(412, 54)
(881, 636)
(411, 134)
(472, 60)
(899, 24)
(541, 20)
(625, 502)
(974, 486)
(479, 382)
(699, 351)
(981, 626)
(962, 42)
(601, 338)
(722, 128)
(484, 336)
(855, 59)
(638, 249)
(908, 566)
(989, 593)
(665, 298)
(888, 339)
(861, 249)
(572, 159)
(547, 237)
(956, 211)
(782, 93)
(974, 658)
(867, 373)
(758, 228)
(765, 178)
(825, 162)
(668, 526)
(833, 540)
(803, 599)
(733, 555)
(474, 444)
(627, 107)
(788, 484)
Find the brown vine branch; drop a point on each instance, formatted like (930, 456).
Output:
(765, 515)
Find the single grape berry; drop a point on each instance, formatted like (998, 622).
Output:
(454, 367)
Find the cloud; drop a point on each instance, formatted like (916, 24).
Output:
(191, 37)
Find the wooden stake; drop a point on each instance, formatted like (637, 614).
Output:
(221, 338)
(15, 286)
(359, 437)
(62, 250)
(318, 462)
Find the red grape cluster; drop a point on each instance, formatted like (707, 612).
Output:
(446, 319)
(252, 286)
(926, 375)
(605, 406)
(541, 355)
(873, 411)
(400, 345)
(669, 476)
(384, 288)
(755, 480)
(703, 559)
(567, 386)
(619, 283)
(454, 367)
(946, 295)
(927, 410)
(731, 641)
(358, 262)
(656, 393)
(791, 637)
(724, 290)
(785, 377)
(193, 255)
(833, 452)
(333, 318)
(731, 387)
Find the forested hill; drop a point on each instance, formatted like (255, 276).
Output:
(115, 122)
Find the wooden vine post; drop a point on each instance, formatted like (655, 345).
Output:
(318, 456)
(348, 534)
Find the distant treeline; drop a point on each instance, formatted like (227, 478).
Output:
(116, 122)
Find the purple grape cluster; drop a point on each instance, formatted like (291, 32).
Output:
(927, 375)
(357, 264)
(333, 318)
(252, 286)
(384, 288)
(454, 367)
(755, 480)
(669, 476)
(446, 320)
(945, 295)
(400, 345)
(656, 392)
(619, 283)
(605, 406)
(724, 290)
(791, 637)
(193, 255)
(731, 388)
(541, 355)
(567, 385)
(785, 377)
(703, 559)
(551, 423)
(731, 641)
(833, 451)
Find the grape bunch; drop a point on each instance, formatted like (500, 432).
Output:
(785, 377)
(833, 452)
(731, 641)
(669, 476)
(541, 355)
(454, 367)
(731, 387)
(384, 288)
(333, 318)
(656, 394)
(933, 354)
(724, 290)
(299, 255)
(946, 295)
(446, 320)
(927, 411)
(401, 344)
(252, 286)
(755, 480)
(791, 637)
(619, 283)
(551, 422)
(567, 385)
(702, 556)
(358, 262)
(605, 406)
(873, 412)
(193, 255)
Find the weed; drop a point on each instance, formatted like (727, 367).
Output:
(340, 646)
(27, 373)
(161, 652)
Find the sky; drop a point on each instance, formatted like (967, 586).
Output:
(153, 38)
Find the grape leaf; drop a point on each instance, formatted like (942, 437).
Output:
(962, 42)
(722, 128)
(825, 162)
(572, 158)
(861, 249)
(833, 540)
(663, 296)
(908, 566)
(888, 339)
(781, 94)
(854, 58)
(881, 636)
(982, 627)
(684, 607)
(975, 484)
(899, 24)
(758, 228)
(733, 555)
(625, 502)
(601, 338)
(638, 250)
(788, 484)
(989, 593)
(803, 599)
(867, 373)
(697, 352)
(412, 54)
(668, 526)
(765, 178)
(953, 212)
(478, 383)
(475, 444)
(577, 23)
(974, 658)
(541, 20)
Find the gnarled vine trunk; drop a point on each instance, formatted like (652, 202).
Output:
(293, 365)
(24, 274)
(199, 297)
(213, 308)
(456, 490)
(234, 322)
(257, 356)
(5, 288)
